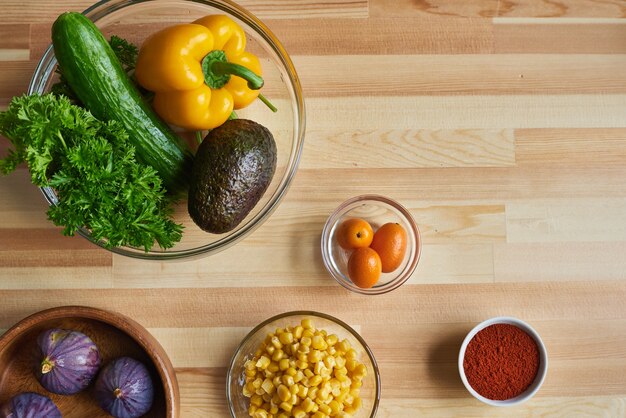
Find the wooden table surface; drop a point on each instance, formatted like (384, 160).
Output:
(501, 125)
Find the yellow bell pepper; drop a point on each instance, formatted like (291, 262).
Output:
(199, 72)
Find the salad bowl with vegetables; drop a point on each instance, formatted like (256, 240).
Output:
(123, 100)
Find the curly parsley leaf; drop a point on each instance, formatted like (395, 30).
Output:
(92, 167)
(125, 51)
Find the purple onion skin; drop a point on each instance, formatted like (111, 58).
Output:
(72, 359)
(30, 405)
(124, 388)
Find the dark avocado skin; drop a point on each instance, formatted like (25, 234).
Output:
(233, 167)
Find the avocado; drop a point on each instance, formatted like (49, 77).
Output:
(233, 167)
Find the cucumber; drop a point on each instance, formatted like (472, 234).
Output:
(95, 74)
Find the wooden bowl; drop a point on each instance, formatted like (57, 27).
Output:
(114, 334)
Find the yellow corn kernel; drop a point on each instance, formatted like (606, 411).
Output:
(302, 391)
(314, 356)
(268, 386)
(293, 348)
(351, 364)
(307, 333)
(304, 349)
(351, 354)
(332, 339)
(249, 365)
(263, 362)
(331, 351)
(344, 346)
(247, 392)
(308, 373)
(282, 415)
(361, 370)
(343, 414)
(256, 400)
(329, 361)
(319, 414)
(355, 392)
(283, 364)
(288, 380)
(260, 413)
(315, 380)
(285, 338)
(273, 409)
(357, 403)
(307, 323)
(297, 331)
(302, 364)
(307, 405)
(299, 376)
(356, 384)
(273, 367)
(283, 393)
(318, 367)
(312, 394)
(278, 355)
(302, 357)
(305, 341)
(285, 406)
(250, 373)
(346, 382)
(270, 349)
(340, 362)
(319, 343)
(323, 394)
(298, 412)
(325, 409)
(335, 407)
(276, 342)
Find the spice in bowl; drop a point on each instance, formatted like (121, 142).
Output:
(503, 361)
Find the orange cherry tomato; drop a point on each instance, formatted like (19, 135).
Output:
(390, 242)
(354, 233)
(364, 267)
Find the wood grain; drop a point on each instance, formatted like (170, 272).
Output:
(499, 124)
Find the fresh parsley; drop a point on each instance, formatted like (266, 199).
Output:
(125, 51)
(92, 167)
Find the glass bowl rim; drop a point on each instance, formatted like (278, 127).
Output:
(400, 279)
(541, 372)
(44, 70)
(249, 335)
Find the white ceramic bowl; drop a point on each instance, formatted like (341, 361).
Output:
(541, 372)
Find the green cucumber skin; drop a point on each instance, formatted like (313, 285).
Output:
(96, 76)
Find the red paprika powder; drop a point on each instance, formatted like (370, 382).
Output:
(501, 361)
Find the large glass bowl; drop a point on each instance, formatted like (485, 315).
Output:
(135, 20)
(369, 392)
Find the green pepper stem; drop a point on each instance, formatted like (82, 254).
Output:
(199, 136)
(255, 82)
(267, 103)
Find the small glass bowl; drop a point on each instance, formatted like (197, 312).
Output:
(541, 373)
(377, 210)
(370, 390)
(135, 20)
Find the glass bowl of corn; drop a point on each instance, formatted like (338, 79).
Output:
(303, 364)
